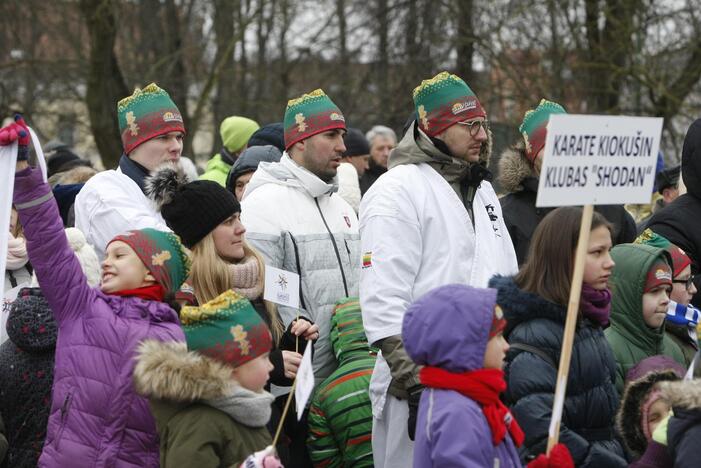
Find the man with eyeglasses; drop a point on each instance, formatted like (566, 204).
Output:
(432, 219)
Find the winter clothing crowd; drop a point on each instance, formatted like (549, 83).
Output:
(141, 334)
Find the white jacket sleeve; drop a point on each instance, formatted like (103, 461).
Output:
(349, 185)
(391, 244)
(103, 214)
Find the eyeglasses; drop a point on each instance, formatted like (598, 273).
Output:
(690, 281)
(474, 126)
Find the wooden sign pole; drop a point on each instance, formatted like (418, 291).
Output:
(570, 324)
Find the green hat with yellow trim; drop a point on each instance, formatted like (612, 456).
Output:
(310, 114)
(227, 329)
(443, 101)
(535, 124)
(146, 114)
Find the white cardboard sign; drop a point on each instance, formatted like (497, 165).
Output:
(598, 160)
(281, 287)
(305, 381)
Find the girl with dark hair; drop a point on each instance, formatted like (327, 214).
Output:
(535, 306)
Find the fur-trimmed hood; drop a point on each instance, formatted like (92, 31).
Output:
(514, 168)
(168, 371)
(684, 394)
(629, 415)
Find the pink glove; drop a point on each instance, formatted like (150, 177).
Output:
(16, 131)
(266, 458)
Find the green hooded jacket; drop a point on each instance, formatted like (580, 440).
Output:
(216, 170)
(630, 338)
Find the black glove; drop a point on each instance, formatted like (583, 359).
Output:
(413, 401)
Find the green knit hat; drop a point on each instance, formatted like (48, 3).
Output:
(311, 114)
(227, 329)
(347, 332)
(146, 114)
(443, 101)
(534, 126)
(162, 254)
(235, 132)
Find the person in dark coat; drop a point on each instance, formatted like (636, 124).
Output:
(679, 221)
(26, 375)
(535, 306)
(684, 427)
(382, 141)
(519, 168)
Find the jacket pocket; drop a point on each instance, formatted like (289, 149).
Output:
(65, 408)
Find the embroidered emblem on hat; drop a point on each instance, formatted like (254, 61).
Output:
(498, 313)
(336, 116)
(661, 274)
(301, 125)
(367, 259)
(423, 116)
(172, 117)
(131, 122)
(240, 335)
(161, 257)
(459, 107)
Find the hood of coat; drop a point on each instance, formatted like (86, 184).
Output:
(514, 169)
(684, 394)
(629, 414)
(290, 174)
(429, 333)
(521, 306)
(31, 325)
(627, 285)
(416, 147)
(691, 159)
(168, 371)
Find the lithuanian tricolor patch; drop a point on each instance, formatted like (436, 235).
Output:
(367, 259)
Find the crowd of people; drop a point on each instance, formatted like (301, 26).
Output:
(140, 333)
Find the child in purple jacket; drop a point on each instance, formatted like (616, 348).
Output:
(96, 417)
(455, 332)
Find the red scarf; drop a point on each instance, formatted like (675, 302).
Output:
(154, 292)
(483, 386)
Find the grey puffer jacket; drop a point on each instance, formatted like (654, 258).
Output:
(300, 224)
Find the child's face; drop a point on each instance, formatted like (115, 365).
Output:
(679, 293)
(656, 413)
(228, 238)
(123, 269)
(599, 264)
(254, 374)
(655, 304)
(496, 352)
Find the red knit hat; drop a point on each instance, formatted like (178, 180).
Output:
(659, 274)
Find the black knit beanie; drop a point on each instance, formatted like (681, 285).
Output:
(356, 143)
(192, 210)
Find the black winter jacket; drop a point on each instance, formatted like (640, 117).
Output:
(591, 401)
(26, 377)
(516, 176)
(680, 221)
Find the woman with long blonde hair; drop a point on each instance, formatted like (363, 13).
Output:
(206, 217)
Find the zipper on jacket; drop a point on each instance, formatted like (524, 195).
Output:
(299, 269)
(335, 247)
(64, 415)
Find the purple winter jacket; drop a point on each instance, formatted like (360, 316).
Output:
(96, 418)
(449, 328)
